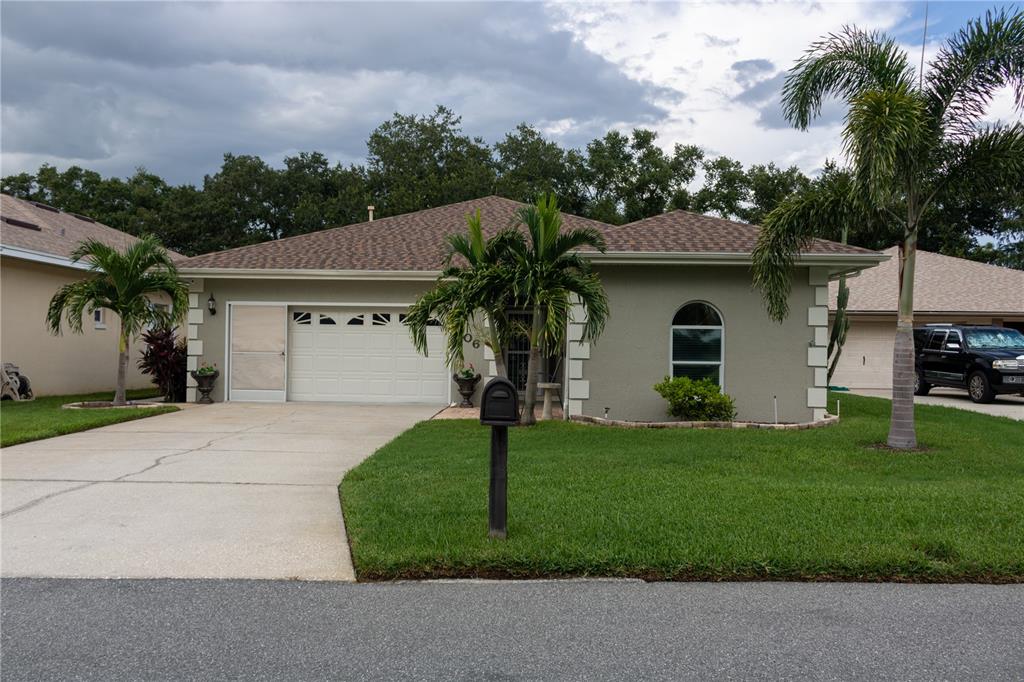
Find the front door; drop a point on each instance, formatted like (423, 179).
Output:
(258, 340)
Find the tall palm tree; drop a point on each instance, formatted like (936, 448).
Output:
(479, 284)
(912, 139)
(124, 283)
(549, 275)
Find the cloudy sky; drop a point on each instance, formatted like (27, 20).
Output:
(172, 87)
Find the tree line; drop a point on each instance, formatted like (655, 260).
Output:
(422, 161)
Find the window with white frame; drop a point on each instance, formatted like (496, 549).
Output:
(698, 342)
(99, 319)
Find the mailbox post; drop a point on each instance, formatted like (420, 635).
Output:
(499, 409)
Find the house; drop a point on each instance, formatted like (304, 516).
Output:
(320, 316)
(36, 242)
(946, 289)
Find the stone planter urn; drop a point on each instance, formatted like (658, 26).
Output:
(205, 383)
(467, 385)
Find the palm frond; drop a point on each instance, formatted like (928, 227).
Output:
(974, 64)
(882, 132)
(842, 65)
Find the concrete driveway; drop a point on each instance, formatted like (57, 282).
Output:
(1011, 406)
(235, 490)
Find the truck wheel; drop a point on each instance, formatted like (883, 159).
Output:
(921, 387)
(979, 388)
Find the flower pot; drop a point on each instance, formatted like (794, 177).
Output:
(205, 383)
(467, 385)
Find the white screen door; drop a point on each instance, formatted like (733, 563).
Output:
(258, 336)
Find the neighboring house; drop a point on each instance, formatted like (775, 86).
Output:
(946, 289)
(320, 316)
(36, 241)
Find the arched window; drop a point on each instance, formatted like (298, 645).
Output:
(698, 344)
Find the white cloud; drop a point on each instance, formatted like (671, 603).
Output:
(693, 48)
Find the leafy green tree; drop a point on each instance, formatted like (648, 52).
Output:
(123, 282)
(418, 162)
(547, 275)
(725, 189)
(767, 187)
(910, 139)
(529, 166)
(476, 281)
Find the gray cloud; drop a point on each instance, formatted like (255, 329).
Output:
(174, 86)
(716, 41)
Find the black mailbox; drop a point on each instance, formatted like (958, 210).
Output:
(499, 405)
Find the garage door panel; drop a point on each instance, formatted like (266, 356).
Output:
(369, 362)
(866, 361)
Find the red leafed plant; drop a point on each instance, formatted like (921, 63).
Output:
(165, 359)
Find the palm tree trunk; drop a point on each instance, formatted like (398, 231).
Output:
(901, 426)
(120, 397)
(532, 367)
(499, 352)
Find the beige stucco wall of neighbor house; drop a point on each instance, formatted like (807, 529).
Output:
(762, 358)
(207, 333)
(56, 365)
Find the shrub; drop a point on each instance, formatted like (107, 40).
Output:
(696, 401)
(165, 359)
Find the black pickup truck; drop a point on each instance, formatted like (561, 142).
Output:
(983, 360)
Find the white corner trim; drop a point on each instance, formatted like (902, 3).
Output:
(579, 350)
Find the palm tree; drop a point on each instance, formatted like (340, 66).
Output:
(122, 282)
(549, 274)
(479, 285)
(912, 139)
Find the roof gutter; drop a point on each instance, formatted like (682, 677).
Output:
(41, 257)
(852, 261)
(310, 274)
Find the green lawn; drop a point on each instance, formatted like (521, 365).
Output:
(43, 417)
(669, 504)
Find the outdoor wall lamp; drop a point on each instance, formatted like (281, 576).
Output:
(211, 304)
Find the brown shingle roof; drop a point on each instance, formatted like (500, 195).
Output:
(26, 225)
(941, 284)
(407, 242)
(686, 232)
(415, 241)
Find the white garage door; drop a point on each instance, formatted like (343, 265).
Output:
(866, 361)
(362, 355)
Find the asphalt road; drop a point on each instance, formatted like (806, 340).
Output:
(578, 630)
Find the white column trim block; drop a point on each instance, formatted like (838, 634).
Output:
(817, 397)
(819, 413)
(195, 315)
(579, 350)
(195, 347)
(817, 316)
(492, 369)
(817, 356)
(817, 276)
(193, 331)
(191, 395)
(821, 336)
(190, 382)
(488, 353)
(821, 296)
(575, 332)
(577, 313)
(196, 285)
(192, 363)
(193, 300)
(579, 389)
(820, 376)
(574, 407)
(575, 368)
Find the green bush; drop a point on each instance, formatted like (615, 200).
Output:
(696, 401)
